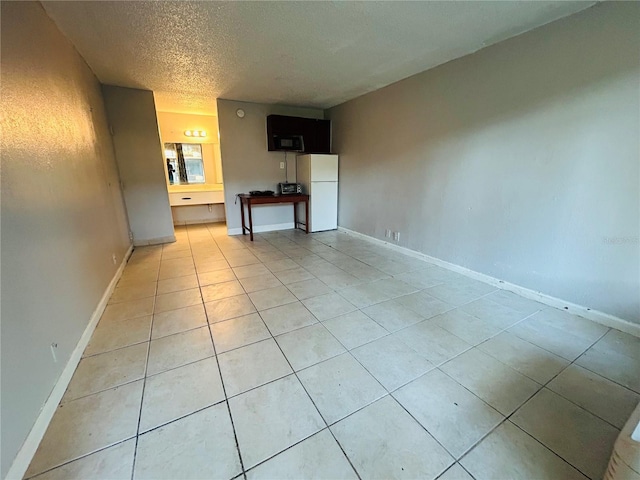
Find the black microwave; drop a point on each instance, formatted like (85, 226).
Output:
(288, 143)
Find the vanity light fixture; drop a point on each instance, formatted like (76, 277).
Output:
(195, 133)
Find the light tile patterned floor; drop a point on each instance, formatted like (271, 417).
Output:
(324, 356)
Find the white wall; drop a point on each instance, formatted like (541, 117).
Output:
(246, 163)
(132, 118)
(62, 211)
(520, 161)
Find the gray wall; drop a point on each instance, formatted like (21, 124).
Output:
(246, 163)
(136, 138)
(520, 161)
(62, 211)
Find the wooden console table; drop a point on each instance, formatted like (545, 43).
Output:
(249, 200)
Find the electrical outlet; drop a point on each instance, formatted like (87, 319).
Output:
(113, 258)
(396, 236)
(281, 165)
(54, 351)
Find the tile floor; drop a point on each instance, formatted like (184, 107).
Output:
(324, 356)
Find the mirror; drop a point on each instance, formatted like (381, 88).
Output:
(184, 163)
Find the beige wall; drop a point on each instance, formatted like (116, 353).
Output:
(132, 117)
(62, 211)
(246, 163)
(520, 161)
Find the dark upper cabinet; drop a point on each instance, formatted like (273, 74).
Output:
(316, 133)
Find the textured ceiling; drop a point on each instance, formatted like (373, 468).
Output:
(315, 54)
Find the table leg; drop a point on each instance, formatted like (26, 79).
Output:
(295, 215)
(250, 221)
(306, 207)
(242, 215)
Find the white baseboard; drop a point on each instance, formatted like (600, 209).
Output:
(262, 228)
(182, 223)
(27, 451)
(154, 241)
(595, 315)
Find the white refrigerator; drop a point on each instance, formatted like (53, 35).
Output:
(318, 175)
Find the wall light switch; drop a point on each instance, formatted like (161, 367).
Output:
(281, 165)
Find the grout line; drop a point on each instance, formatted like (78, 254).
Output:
(182, 417)
(310, 398)
(546, 448)
(508, 417)
(135, 298)
(464, 468)
(144, 383)
(118, 348)
(298, 442)
(224, 390)
(84, 455)
(389, 393)
(546, 385)
(144, 380)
